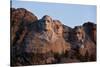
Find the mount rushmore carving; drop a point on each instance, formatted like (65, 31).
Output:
(48, 41)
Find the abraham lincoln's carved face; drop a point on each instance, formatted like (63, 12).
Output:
(46, 23)
(79, 33)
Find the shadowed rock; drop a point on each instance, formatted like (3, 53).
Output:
(48, 41)
(20, 18)
(90, 29)
(67, 33)
(87, 48)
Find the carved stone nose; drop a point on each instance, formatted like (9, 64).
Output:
(82, 46)
(45, 22)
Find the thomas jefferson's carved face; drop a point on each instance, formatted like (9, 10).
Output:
(47, 23)
(79, 33)
(58, 29)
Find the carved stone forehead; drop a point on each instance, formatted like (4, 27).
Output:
(57, 22)
(78, 28)
(46, 17)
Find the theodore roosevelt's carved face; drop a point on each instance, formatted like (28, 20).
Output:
(46, 23)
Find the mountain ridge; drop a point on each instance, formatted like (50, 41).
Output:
(48, 41)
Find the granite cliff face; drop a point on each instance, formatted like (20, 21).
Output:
(48, 41)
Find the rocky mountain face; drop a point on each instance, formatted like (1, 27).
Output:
(48, 41)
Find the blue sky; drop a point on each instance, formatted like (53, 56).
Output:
(69, 14)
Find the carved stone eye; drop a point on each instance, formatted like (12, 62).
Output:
(75, 33)
(57, 27)
(78, 32)
(48, 20)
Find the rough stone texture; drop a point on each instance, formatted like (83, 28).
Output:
(47, 41)
(86, 47)
(67, 33)
(90, 29)
(20, 18)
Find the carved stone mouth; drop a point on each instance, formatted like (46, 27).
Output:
(45, 29)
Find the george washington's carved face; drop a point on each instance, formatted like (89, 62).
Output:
(46, 23)
(79, 33)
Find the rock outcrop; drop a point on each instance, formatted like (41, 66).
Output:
(20, 19)
(48, 41)
(90, 29)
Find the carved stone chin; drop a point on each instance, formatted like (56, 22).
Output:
(46, 36)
